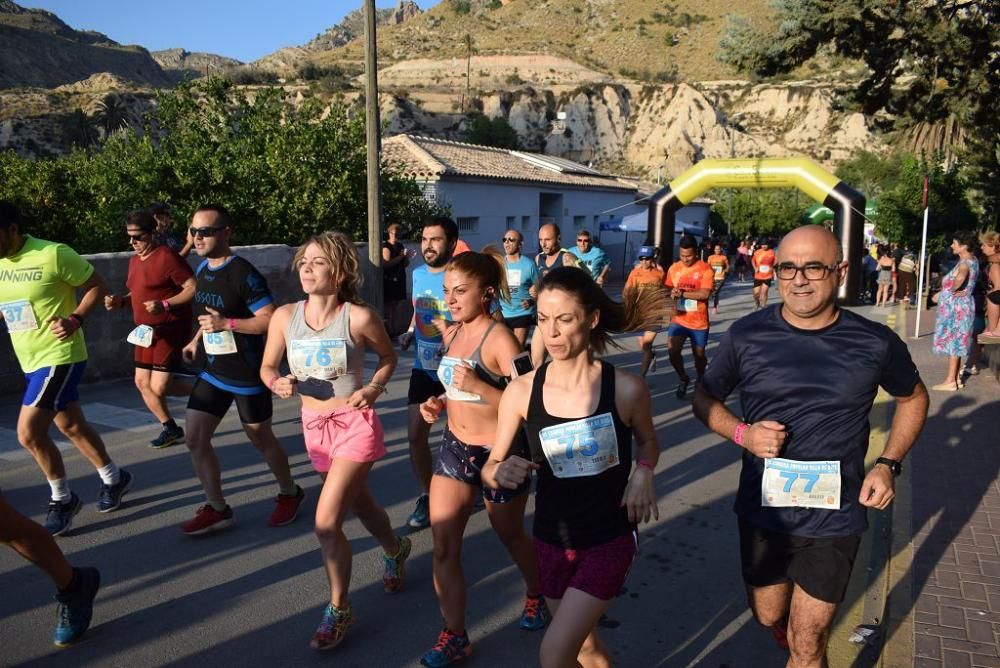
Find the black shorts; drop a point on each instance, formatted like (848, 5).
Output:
(762, 281)
(820, 566)
(464, 463)
(525, 321)
(423, 386)
(207, 398)
(994, 297)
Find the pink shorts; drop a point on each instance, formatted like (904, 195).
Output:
(347, 432)
(599, 570)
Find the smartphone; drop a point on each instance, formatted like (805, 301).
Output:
(521, 364)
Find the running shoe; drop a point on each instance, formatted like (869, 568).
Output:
(420, 518)
(60, 516)
(208, 519)
(395, 567)
(682, 388)
(286, 508)
(450, 648)
(167, 438)
(332, 628)
(780, 633)
(110, 496)
(76, 608)
(972, 370)
(536, 615)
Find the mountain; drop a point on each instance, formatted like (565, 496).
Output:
(180, 63)
(38, 50)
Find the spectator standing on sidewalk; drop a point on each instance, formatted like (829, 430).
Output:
(956, 310)
(991, 250)
(395, 259)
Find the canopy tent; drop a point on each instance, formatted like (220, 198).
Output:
(639, 222)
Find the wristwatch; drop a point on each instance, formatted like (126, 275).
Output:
(894, 466)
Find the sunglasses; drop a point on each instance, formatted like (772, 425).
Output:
(510, 240)
(201, 232)
(583, 241)
(137, 237)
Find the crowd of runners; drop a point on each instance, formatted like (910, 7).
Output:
(582, 427)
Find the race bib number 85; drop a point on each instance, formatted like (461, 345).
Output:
(582, 447)
(219, 343)
(801, 484)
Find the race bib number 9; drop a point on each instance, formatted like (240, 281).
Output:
(19, 315)
(800, 484)
(141, 336)
(446, 374)
(324, 359)
(219, 343)
(427, 355)
(581, 448)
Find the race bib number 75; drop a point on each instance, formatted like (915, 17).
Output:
(801, 484)
(582, 447)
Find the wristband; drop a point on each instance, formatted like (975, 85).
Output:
(642, 463)
(378, 386)
(165, 304)
(231, 324)
(270, 383)
(738, 434)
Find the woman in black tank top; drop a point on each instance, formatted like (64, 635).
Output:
(581, 416)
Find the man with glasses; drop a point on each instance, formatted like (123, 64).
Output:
(594, 259)
(807, 373)
(234, 307)
(522, 275)
(39, 281)
(690, 283)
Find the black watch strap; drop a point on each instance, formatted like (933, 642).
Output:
(894, 466)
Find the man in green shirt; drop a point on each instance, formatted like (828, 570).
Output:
(38, 284)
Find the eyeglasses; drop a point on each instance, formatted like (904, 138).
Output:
(202, 232)
(813, 271)
(645, 258)
(510, 240)
(137, 237)
(583, 241)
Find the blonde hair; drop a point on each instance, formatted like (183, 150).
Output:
(488, 267)
(990, 238)
(343, 258)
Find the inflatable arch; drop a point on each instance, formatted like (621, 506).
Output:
(847, 204)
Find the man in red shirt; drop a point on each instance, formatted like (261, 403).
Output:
(161, 286)
(690, 283)
(763, 272)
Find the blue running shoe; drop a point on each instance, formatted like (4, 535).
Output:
(76, 607)
(536, 615)
(420, 518)
(60, 517)
(450, 648)
(110, 496)
(395, 567)
(167, 438)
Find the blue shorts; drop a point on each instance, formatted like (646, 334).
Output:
(53, 387)
(699, 337)
(462, 462)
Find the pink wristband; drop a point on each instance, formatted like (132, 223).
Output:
(645, 464)
(270, 383)
(232, 324)
(738, 434)
(165, 304)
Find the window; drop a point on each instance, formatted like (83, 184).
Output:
(525, 222)
(511, 220)
(579, 222)
(468, 225)
(597, 222)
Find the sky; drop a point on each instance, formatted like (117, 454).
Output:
(241, 29)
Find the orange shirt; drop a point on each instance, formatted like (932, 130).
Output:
(691, 313)
(645, 278)
(763, 264)
(719, 265)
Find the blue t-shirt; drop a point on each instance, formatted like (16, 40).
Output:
(595, 260)
(428, 306)
(521, 275)
(821, 385)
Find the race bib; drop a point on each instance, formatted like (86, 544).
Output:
(19, 315)
(446, 374)
(688, 305)
(219, 343)
(513, 278)
(800, 484)
(582, 447)
(324, 359)
(427, 353)
(141, 336)
(765, 269)
(717, 270)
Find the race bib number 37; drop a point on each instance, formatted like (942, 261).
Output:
(582, 447)
(800, 484)
(19, 315)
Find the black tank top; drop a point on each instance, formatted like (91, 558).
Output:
(580, 509)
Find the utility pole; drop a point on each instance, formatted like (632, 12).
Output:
(373, 277)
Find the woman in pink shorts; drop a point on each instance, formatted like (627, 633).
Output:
(325, 338)
(581, 414)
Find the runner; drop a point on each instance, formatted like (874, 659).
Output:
(690, 282)
(38, 284)
(803, 494)
(76, 587)
(551, 255)
(589, 497)
(594, 259)
(522, 275)
(720, 271)
(763, 272)
(234, 307)
(326, 336)
(647, 276)
(742, 253)
(430, 315)
(477, 358)
(161, 286)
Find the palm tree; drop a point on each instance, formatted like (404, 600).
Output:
(79, 130)
(470, 49)
(113, 114)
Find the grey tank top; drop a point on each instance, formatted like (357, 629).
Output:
(325, 362)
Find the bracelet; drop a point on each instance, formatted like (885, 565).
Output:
(77, 317)
(738, 434)
(231, 325)
(378, 386)
(165, 304)
(270, 383)
(642, 463)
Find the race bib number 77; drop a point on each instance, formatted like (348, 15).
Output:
(788, 482)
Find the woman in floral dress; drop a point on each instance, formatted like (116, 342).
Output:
(956, 310)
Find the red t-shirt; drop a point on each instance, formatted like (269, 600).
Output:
(645, 278)
(763, 264)
(158, 276)
(691, 313)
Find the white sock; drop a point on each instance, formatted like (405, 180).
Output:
(60, 490)
(109, 474)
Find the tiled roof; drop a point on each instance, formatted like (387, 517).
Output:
(431, 159)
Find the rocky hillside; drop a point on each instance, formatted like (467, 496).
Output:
(37, 49)
(180, 63)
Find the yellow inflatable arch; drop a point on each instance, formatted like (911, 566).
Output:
(847, 204)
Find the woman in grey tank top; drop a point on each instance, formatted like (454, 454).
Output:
(325, 338)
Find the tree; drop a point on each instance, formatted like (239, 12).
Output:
(114, 114)
(492, 132)
(78, 130)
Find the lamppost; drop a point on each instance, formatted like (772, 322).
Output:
(374, 140)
